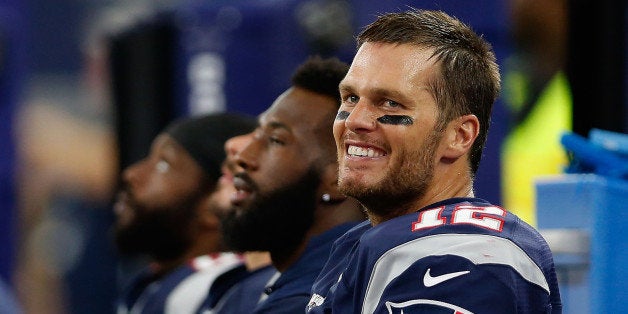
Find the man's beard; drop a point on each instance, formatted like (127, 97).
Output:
(404, 182)
(162, 233)
(276, 222)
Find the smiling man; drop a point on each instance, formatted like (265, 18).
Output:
(410, 132)
(288, 201)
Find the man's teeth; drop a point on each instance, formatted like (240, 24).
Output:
(363, 152)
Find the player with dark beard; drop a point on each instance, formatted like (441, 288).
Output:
(287, 200)
(169, 210)
(275, 217)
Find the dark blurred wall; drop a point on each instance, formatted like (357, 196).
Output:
(55, 30)
(12, 72)
(596, 64)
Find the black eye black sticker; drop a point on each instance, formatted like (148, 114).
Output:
(395, 120)
(342, 115)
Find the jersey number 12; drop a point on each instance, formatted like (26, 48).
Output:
(491, 217)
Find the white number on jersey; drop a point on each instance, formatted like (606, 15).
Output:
(490, 217)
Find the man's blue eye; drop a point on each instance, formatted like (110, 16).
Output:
(393, 104)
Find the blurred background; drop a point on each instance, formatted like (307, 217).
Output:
(86, 85)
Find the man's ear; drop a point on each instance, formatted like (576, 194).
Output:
(461, 134)
(328, 189)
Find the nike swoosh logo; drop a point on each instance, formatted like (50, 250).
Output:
(430, 281)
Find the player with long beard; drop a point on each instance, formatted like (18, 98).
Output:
(287, 200)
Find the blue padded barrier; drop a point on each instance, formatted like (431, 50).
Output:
(584, 217)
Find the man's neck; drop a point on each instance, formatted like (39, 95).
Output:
(445, 187)
(326, 217)
(283, 260)
(162, 268)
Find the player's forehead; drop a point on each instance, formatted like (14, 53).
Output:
(298, 111)
(390, 61)
(164, 143)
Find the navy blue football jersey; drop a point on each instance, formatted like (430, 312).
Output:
(458, 256)
(237, 291)
(178, 292)
(290, 292)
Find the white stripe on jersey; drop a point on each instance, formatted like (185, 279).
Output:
(479, 249)
(190, 293)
